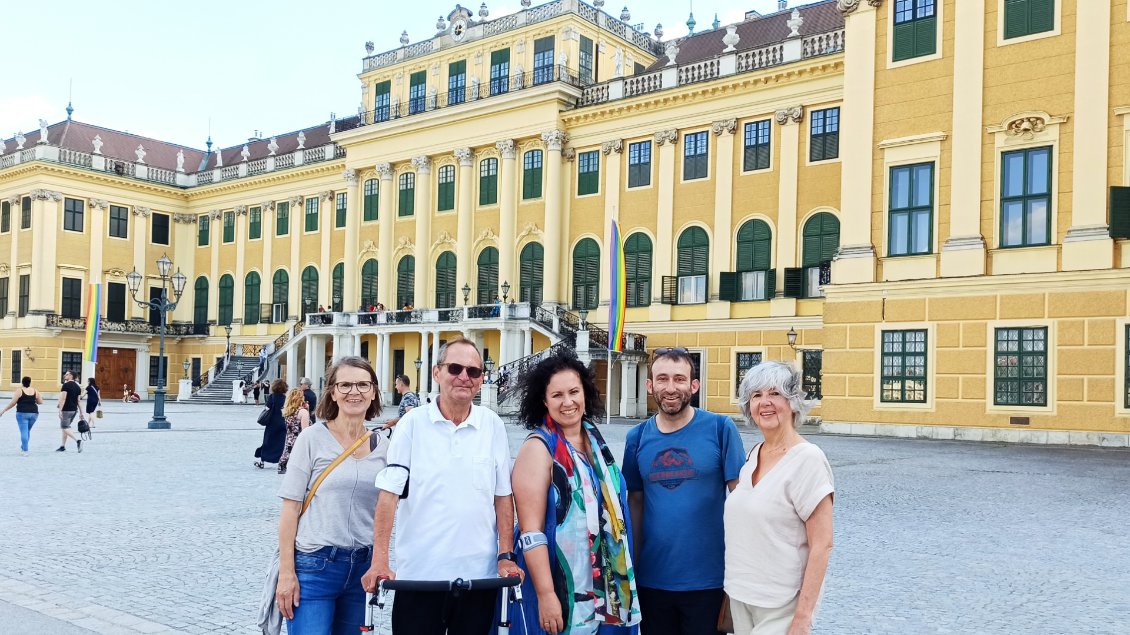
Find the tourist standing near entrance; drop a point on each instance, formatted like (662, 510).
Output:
(779, 518)
(678, 466)
(26, 401)
(311, 398)
(297, 419)
(451, 462)
(68, 408)
(408, 399)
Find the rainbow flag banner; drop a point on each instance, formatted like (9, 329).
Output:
(617, 293)
(93, 317)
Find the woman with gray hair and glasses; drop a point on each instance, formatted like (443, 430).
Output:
(778, 519)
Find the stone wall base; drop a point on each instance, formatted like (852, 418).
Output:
(992, 435)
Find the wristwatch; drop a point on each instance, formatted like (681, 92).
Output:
(508, 555)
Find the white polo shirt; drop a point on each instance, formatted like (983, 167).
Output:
(447, 527)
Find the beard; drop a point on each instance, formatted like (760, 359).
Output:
(670, 409)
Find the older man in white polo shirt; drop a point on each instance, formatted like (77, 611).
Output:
(450, 462)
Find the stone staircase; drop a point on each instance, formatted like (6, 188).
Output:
(219, 389)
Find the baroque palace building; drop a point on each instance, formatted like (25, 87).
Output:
(923, 203)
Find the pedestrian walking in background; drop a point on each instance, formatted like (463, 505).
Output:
(297, 419)
(678, 466)
(311, 398)
(68, 408)
(274, 431)
(575, 531)
(93, 399)
(408, 399)
(26, 401)
(255, 391)
(779, 517)
(324, 552)
(237, 393)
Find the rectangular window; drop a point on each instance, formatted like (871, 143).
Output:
(282, 218)
(381, 101)
(695, 155)
(312, 206)
(445, 195)
(1028, 17)
(371, 200)
(255, 223)
(116, 302)
(488, 182)
(1021, 368)
(813, 369)
(457, 82)
(692, 290)
(531, 174)
(202, 231)
(1026, 183)
(824, 143)
(588, 172)
(755, 285)
(543, 60)
(17, 365)
(159, 229)
(903, 378)
(25, 294)
(417, 91)
(5, 216)
(340, 209)
(72, 363)
(915, 31)
(25, 212)
(743, 362)
(585, 63)
(912, 210)
(3, 296)
(639, 164)
(72, 214)
(71, 305)
(229, 227)
(756, 147)
(499, 71)
(119, 221)
(407, 195)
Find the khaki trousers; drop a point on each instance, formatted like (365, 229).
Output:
(754, 620)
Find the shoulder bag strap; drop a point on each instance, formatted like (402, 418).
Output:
(326, 472)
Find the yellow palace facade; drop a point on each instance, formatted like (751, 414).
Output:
(922, 203)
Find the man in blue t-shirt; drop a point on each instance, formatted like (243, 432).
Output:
(678, 466)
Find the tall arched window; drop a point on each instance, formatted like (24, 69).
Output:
(531, 274)
(280, 292)
(227, 299)
(369, 283)
(692, 266)
(251, 310)
(586, 274)
(637, 266)
(821, 240)
(309, 290)
(487, 283)
(756, 279)
(337, 295)
(406, 282)
(445, 280)
(200, 301)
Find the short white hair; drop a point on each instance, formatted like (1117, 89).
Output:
(779, 376)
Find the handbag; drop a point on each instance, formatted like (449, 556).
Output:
(98, 413)
(725, 618)
(270, 619)
(264, 416)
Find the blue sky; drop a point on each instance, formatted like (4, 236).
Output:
(163, 69)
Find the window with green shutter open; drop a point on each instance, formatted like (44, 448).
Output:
(637, 266)
(531, 273)
(754, 278)
(1028, 17)
(916, 29)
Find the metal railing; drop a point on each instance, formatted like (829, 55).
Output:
(507, 375)
(139, 327)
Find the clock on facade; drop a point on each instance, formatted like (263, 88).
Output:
(458, 29)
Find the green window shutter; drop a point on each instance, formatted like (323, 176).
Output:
(531, 183)
(794, 282)
(1120, 212)
(729, 286)
(1016, 18)
(282, 220)
(770, 283)
(903, 46)
(455, 69)
(531, 274)
(670, 290)
(1041, 16)
(925, 36)
(405, 281)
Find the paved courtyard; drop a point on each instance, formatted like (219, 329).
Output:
(170, 531)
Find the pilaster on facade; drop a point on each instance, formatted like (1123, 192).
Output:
(664, 222)
(508, 211)
(46, 209)
(723, 214)
(465, 220)
(788, 119)
(613, 151)
(423, 211)
(350, 288)
(386, 215)
(554, 143)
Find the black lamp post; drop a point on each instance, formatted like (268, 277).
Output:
(488, 363)
(584, 314)
(227, 329)
(337, 303)
(163, 305)
(505, 290)
(186, 365)
(419, 364)
(791, 336)
(466, 293)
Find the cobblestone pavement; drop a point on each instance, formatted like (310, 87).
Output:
(170, 531)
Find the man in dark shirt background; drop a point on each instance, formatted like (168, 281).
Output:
(68, 408)
(311, 398)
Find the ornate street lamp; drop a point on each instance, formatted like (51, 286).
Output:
(466, 293)
(791, 335)
(186, 365)
(584, 313)
(337, 303)
(488, 363)
(419, 364)
(227, 329)
(505, 290)
(162, 305)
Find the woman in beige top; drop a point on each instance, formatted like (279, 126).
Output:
(779, 517)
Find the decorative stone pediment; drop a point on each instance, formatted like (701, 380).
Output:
(368, 248)
(487, 234)
(405, 242)
(46, 195)
(1027, 126)
(445, 238)
(115, 272)
(531, 229)
(187, 219)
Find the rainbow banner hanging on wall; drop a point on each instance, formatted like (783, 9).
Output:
(617, 293)
(93, 317)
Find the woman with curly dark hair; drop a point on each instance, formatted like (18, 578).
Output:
(574, 528)
(274, 434)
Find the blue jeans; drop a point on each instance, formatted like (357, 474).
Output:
(25, 420)
(331, 600)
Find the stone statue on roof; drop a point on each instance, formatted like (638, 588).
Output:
(301, 140)
(272, 147)
(3, 146)
(219, 157)
(140, 152)
(42, 131)
(97, 143)
(618, 60)
(245, 153)
(180, 160)
(20, 139)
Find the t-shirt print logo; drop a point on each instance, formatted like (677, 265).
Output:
(671, 467)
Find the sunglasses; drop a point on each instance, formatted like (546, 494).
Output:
(474, 372)
(660, 352)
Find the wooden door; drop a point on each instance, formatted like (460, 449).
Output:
(115, 367)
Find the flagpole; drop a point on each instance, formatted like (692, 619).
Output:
(608, 389)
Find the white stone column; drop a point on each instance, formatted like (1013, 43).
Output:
(503, 346)
(325, 228)
(240, 273)
(554, 142)
(296, 224)
(292, 366)
(527, 342)
(426, 369)
(424, 266)
(433, 359)
(507, 213)
(386, 271)
(723, 216)
(216, 236)
(612, 152)
(666, 141)
(386, 365)
(308, 366)
(1088, 244)
(45, 211)
(183, 242)
(790, 121)
(98, 209)
(641, 391)
(465, 220)
(628, 395)
(267, 278)
(13, 259)
(351, 285)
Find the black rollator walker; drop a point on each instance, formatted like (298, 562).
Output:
(511, 588)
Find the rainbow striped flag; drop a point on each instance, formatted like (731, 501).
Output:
(93, 317)
(617, 295)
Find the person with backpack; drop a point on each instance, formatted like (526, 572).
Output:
(68, 408)
(26, 401)
(93, 399)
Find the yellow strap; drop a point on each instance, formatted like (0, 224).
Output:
(326, 472)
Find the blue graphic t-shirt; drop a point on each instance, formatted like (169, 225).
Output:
(683, 478)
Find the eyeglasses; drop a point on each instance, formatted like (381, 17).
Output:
(474, 372)
(660, 352)
(346, 387)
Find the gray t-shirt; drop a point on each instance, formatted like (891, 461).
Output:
(341, 514)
